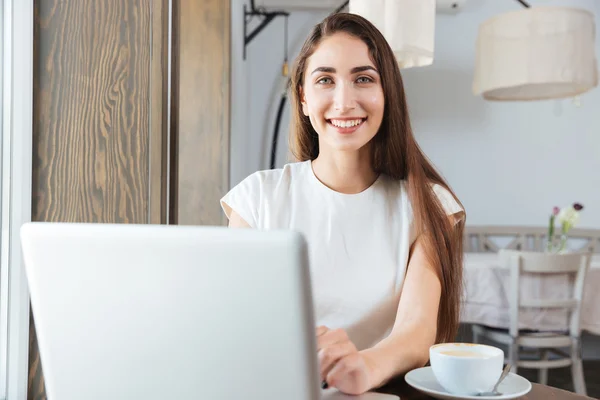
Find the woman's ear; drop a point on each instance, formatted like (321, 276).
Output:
(303, 102)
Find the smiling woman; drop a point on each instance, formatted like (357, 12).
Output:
(344, 98)
(384, 230)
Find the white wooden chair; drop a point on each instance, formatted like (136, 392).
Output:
(488, 239)
(523, 262)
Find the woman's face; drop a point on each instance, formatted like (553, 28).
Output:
(342, 93)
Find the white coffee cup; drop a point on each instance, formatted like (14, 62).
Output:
(466, 368)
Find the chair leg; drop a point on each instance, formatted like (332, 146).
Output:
(543, 372)
(577, 368)
(578, 379)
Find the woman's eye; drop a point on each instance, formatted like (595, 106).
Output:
(325, 81)
(364, 79)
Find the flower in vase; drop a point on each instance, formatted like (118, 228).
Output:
(555, 211)
(568, 217)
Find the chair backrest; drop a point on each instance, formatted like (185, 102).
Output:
(520, 263)
(491, 239)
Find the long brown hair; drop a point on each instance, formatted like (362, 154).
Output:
(396, 154)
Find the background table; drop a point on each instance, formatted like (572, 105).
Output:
(486, 300)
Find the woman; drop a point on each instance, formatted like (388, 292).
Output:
(383, 228)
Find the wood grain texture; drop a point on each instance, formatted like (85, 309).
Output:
(91, 111)
(201, 101)
(36, 389)
(99, 118)
(159, 86)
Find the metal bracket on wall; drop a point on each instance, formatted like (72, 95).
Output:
(266, 18)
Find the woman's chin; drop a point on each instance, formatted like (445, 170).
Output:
(347, 144)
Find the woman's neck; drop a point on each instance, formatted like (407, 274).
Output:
(347, 173)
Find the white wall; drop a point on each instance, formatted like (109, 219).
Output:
(510, 163)
(257, 86)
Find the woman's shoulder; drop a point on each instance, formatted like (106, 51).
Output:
(443, 194)
(269, 179)
(270, 182)
(262, 187)
(447, 199)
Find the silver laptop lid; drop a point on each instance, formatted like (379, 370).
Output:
(171, 312)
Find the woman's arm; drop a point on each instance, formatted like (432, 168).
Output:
(415, 328)
(407, 347)
(235, 221)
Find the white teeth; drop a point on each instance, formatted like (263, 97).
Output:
(345, 123)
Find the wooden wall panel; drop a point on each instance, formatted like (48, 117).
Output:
(200, 112)
(159, 85)
(99, 129)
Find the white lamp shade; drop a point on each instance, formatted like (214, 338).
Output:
(535, 54)
(407, 25)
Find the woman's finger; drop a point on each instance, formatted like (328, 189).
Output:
(331, 337)
(320, 330)
(330, 355)
(349, 375)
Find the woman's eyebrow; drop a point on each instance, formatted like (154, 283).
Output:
(354, 70)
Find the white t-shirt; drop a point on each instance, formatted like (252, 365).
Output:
(358, 243)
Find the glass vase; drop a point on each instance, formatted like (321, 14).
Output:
(557, 246)
(562, 244)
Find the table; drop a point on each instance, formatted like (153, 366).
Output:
(399, 387)
(487, 287)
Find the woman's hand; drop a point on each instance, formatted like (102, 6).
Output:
(342, 366)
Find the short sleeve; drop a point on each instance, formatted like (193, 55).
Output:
(244, 199)
(447, 200)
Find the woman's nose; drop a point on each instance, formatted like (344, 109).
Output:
(345, 98)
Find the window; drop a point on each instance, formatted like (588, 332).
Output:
(16, 88)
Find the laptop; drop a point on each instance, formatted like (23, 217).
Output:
(159, 312)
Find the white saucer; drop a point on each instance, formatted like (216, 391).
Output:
(422, 379)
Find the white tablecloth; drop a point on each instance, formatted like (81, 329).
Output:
(487, 288)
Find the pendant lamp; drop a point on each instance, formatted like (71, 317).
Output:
(536, 53)
(408, 26)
